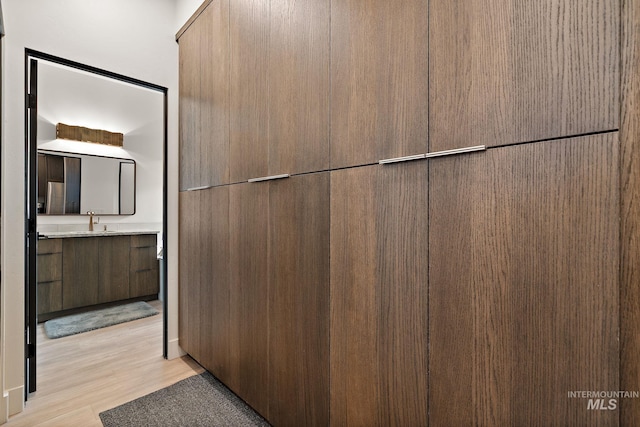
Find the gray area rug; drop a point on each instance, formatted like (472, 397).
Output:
(200, 400)
(83, 322)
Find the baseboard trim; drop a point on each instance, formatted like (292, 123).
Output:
(15, 403)
(174, 351)
(3, 408)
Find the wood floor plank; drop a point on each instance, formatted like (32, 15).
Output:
(82, 375)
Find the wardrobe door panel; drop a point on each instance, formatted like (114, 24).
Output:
(379, 80)
(248, 228)
(299, 301)
(189, 106)
(189, 296)
(204, 99)
(524, 283)
(214, 281)
(379, 291)
(299, 86)
(213, 162)
(504, 72)
(248, 132)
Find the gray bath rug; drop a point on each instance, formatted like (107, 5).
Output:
(83, 322)
(198, 401)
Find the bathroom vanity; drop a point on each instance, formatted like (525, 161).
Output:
(81, 269)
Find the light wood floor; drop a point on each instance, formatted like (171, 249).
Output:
(82, 375)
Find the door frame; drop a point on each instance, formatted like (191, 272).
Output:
(31, 151)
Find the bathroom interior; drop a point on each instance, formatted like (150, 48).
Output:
(99, 201)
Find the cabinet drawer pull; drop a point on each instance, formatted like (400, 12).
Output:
(455, 151)
(402, 159)
(204, 187)
(269, 178)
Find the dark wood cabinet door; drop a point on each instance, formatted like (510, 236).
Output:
(214, 98)
(379, 295)
(204, 99)
(113, 268)
(144, 267)
(504, 72)
(299, 86)
(213, 252)
(248, 299)
(189, 106)
(524, 283)
(49, 297)
(189, 296)
(80, 275)
(248, 89)
(379, 80)
(299, 301)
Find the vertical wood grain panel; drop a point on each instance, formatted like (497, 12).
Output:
(379, 287)
(248, 132)
(79, 272)
(524, 283)
(113, 268)
(299, 301)
(49, 246)
(299, 86)
(144, 283)
(189, 111)
(204, 99)
(49, 267)
(379, 80)
(49, 297)
(189, 322)
(504, 72)
(630, 211)
(214, 99)
(249, 296)
(215, 276)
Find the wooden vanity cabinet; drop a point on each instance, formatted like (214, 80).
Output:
(75, 272)
(80, 261)
(143, 267)
(113, 279)
(49, 292)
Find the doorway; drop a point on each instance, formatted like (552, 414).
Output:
(58, 89)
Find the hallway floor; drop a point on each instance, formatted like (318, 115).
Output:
(82, 375)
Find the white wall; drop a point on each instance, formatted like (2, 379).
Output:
(83, 99)
(130, 37)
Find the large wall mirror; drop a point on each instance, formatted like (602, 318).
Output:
(74, 184)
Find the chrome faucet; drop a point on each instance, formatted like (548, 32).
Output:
(90, 213)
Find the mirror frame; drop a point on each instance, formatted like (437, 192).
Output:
(119, 183)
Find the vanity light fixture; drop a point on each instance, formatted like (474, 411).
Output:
(97, 136)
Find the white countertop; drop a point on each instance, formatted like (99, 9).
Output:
(95, 233)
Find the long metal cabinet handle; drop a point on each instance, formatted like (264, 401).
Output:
(204, 187)
(455, 151)
(269, 178)
(402, 159)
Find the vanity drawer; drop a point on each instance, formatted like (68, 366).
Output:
(49, 267)
(143, 240)
(49, 297)
(49, 246)
(144, 259)
(143, 283)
